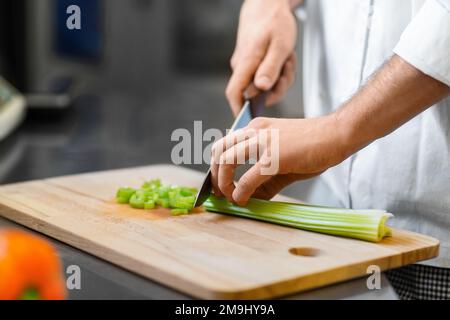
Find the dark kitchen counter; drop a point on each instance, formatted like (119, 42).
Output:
(110, 130)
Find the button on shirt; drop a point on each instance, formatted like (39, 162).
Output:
(408, 171)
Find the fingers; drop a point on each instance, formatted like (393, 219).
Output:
(240, 80)
(270, 69)
(217, 158)
(244, 69)
(236, 149)
(285, 81)
(229, 160)
(248, 184)
(229, 141)
(234, 156)
(226, 180)
(261, 70)
(241, 152)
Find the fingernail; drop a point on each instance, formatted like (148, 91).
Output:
(264, 82)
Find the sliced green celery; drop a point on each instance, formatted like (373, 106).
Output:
(137, 200)
(149, 204)
(179, 212)
(369, 225)
(124, 194)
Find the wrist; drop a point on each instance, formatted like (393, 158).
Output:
(347, 139)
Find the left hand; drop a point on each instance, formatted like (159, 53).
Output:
(301, 149)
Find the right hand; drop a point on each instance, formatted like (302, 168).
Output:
(264, 56)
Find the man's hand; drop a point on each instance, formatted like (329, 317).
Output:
(264, 56)
(303, 149)
(308, 147)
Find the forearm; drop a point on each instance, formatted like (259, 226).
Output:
(397, 93)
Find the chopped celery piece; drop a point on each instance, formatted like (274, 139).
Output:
(123, 200)
(152, 184)
(184, 202)
(179, 212)
(163, 192)
(153, 193)
(369, 225)
(164, 202)
(188, 192)
(149, 204)
(124, 194)
(137, 201)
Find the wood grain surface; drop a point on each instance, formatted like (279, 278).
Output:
(206, 255)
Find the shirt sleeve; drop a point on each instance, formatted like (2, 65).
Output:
(425, 43)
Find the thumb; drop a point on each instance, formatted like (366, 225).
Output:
(270, 69)
(248, 184)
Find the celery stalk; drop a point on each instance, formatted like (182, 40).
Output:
(369, 225)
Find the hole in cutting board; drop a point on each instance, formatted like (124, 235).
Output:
(304, 251)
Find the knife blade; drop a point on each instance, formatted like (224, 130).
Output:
(252, 108)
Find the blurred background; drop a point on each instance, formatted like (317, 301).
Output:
(111, 94)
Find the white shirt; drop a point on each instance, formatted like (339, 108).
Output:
(407, 172)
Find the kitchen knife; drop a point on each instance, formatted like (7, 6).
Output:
(252, 108)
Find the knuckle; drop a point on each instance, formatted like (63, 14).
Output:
(233, 62)
(222, 159)
(244, 184)
(252, 56)
(283, 46)
(249, 60)
(270, 69)
(258, 123)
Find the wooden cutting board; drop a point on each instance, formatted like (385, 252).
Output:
(206, 255)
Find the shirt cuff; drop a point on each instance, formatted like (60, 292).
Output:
(425, 43)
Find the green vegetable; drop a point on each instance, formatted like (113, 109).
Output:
(124, 194)
(369, 225)
(180, 212)
(152, 185)
(150, 204)
(164, 202)
(152, 194)
(137, 200)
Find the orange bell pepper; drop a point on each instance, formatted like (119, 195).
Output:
(29, 268)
